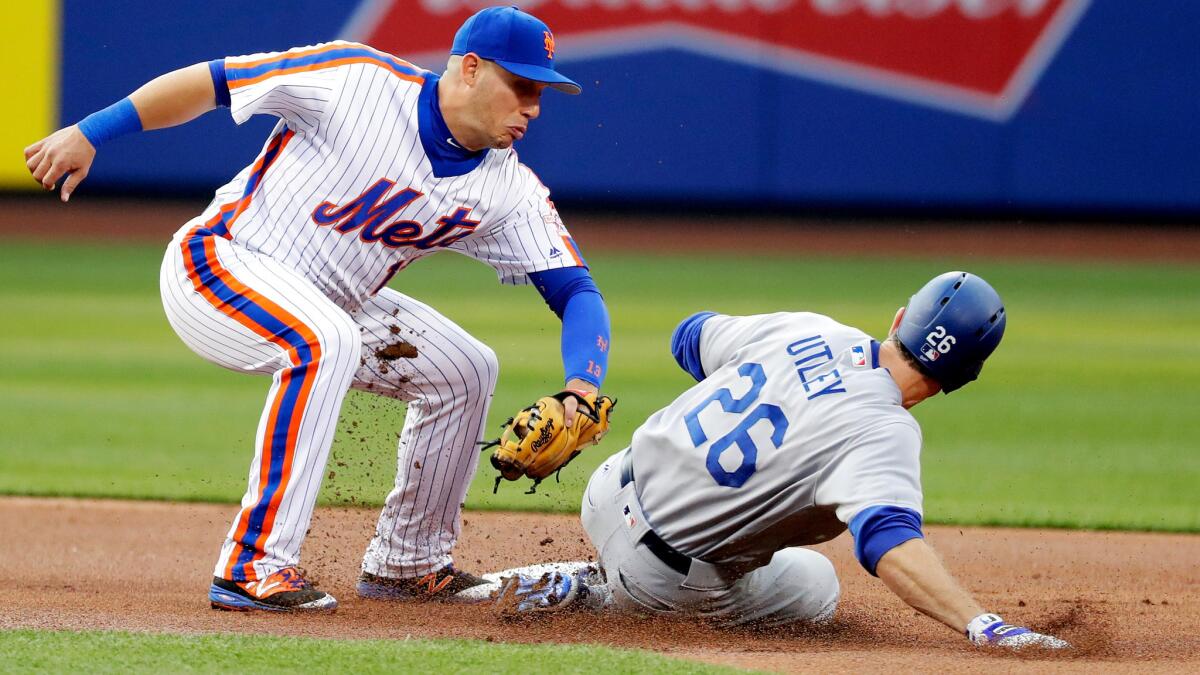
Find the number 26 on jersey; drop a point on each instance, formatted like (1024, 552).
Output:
(739, 435)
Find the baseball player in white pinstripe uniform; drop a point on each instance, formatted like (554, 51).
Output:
(374, 163)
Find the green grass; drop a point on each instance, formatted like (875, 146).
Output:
(111, 652)
(1085, 417)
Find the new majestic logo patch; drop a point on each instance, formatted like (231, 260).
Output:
(979, 57)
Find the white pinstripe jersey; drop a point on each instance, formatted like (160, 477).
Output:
(344, 191)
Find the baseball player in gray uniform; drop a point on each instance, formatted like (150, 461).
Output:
(797, 429)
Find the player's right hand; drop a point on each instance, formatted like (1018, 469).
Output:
(66, 151)
(990, 629)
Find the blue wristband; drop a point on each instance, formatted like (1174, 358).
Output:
(116, 120)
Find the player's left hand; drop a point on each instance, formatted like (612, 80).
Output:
(538, 440)
(579, 391)
(990, 629)
(65, 152)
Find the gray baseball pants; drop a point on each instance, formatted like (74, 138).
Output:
(798, 585)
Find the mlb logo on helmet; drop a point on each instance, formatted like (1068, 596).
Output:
(929, 351)
(978, 57)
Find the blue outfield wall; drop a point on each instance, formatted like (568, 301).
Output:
(744, 108)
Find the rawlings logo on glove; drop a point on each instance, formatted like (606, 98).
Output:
(536, 442)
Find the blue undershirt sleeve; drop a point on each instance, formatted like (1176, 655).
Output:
(573, 296)
(879, 529)
(685, 343)
(220, 84)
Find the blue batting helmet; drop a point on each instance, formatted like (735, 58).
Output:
(951, 326)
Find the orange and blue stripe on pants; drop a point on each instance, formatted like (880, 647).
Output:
(278, 326)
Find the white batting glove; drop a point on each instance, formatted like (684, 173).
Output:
(990, 629)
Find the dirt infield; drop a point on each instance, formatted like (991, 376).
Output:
(1129, 601)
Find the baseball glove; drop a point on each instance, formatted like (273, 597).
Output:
(536, 442)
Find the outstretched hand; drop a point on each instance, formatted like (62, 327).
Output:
(65, 152)
(990, 629)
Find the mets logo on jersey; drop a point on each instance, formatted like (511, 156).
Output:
(979, 57)
(372, 215)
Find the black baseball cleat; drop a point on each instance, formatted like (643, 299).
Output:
(439, 585)
(284, 591)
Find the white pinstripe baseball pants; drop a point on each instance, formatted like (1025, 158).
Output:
(249, 313)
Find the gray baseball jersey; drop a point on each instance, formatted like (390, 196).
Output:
(794, 430)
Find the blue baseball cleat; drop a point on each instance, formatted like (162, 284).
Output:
(284, 591)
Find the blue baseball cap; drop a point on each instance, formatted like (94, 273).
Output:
(518, 42)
